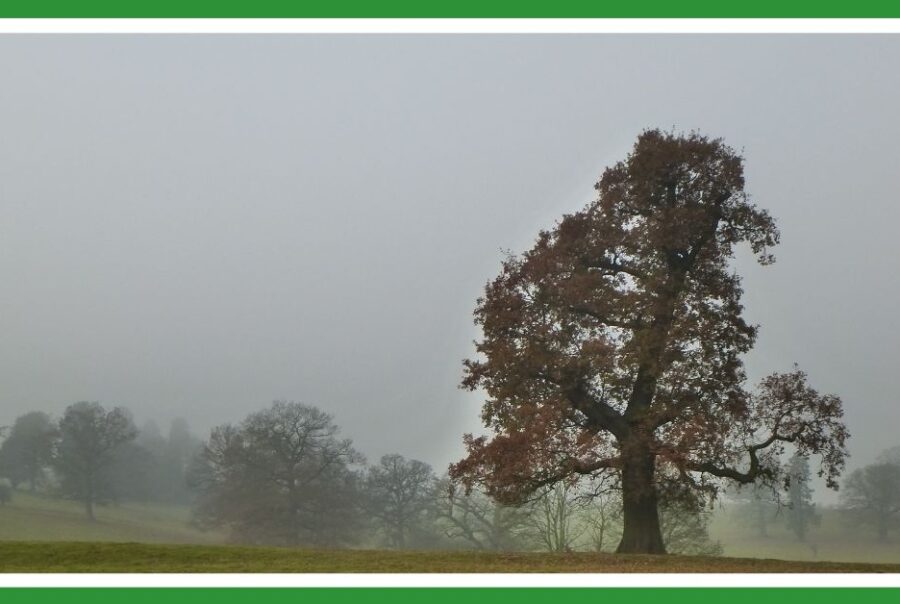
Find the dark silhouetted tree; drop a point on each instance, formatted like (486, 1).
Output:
(614, 346)
(281, 477)
(6, 492)
(871, 497)
(801, 512)
(28, 450)
(398, 493)
(89, 437)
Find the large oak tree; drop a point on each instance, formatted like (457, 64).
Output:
(614, 347)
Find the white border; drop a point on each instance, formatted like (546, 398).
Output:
(451, 580)
(449, 26)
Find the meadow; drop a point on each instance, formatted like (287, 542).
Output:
(833, 539)
(41, 518)
(134, 557)
(43, 534)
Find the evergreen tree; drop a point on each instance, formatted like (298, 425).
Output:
(801, 510)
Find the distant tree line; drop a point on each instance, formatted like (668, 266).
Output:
(869, 500)
(96, 455)
(871, 496)
(285, 476)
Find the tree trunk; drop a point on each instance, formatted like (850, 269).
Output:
(641, 533)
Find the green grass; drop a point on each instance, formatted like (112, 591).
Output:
(833, 539)
(40, 518)
(132, 557)
(130, 537)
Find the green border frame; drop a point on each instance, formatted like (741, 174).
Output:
(436, 595)
(484, 9)
(448, 9)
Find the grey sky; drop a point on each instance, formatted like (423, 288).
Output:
(198, 225)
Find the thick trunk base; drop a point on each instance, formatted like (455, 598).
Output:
(641, 533)
(642, 536)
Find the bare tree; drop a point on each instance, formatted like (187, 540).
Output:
(478, 520)
(604, 520)
(282, 476)
(555, 519)
(398, 494)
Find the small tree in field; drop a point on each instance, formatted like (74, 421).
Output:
(88, 438)
(6, 492)
(613, 347)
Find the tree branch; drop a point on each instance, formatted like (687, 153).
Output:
(615, 265)
(584, 309)
(754, 471)
(599, 413)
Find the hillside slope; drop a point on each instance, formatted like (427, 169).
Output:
(36, 518)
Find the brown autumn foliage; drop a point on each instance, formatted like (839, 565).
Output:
(614, 346)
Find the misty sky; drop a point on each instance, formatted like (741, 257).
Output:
(195, 226)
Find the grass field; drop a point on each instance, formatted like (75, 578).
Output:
(132, 557)
(832, 539)
(145, 537)
(39, 518)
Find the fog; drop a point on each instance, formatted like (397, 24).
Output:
(195, 226)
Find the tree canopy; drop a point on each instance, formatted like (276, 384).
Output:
(399, 493)
(871, 497)
(614, 346)
(282, 476)
(88, 437)
(28, 449)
